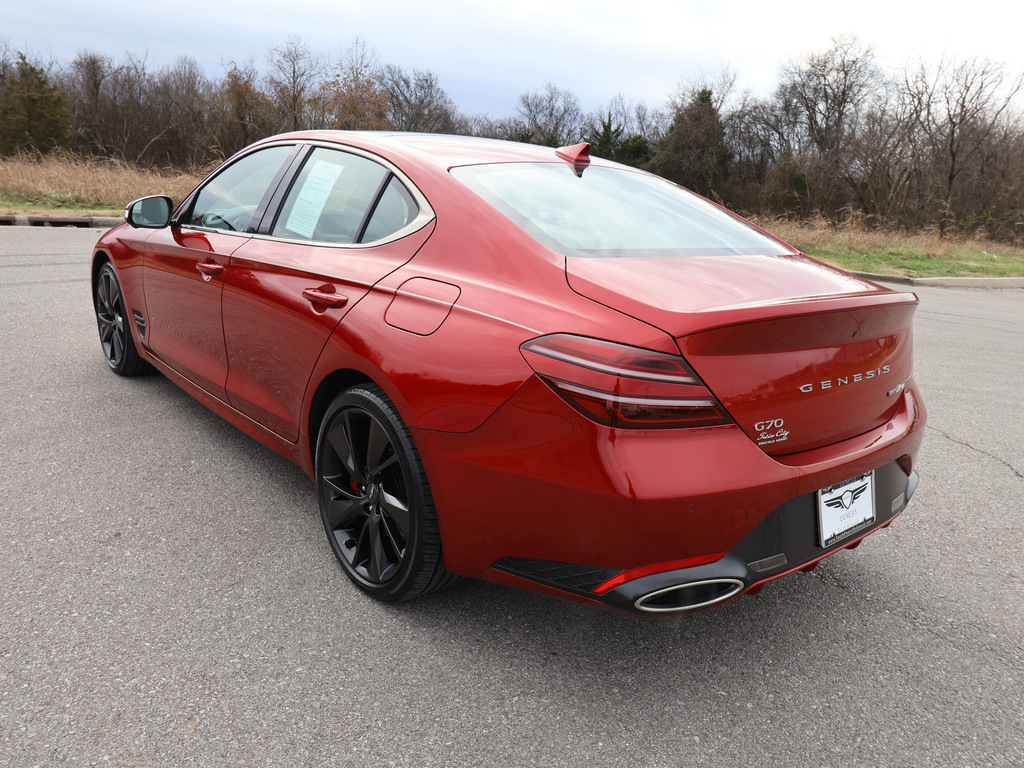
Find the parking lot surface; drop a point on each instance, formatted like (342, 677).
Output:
(168, 598)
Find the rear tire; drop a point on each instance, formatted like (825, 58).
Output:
(374, 498)
(112, 321)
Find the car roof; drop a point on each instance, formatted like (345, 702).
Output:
(440, 149)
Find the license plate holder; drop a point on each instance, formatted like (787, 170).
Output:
(845, 509)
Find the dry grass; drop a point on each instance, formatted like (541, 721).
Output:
(88, 186)
(853, 246)
(820, 233)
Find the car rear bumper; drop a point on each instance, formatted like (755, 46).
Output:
(784, 542)
(542, 499)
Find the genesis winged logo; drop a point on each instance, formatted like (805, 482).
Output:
(846, 500)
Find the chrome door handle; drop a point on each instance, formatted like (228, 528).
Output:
(209, 270)
(325, 298)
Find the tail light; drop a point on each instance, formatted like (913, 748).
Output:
(624, 387)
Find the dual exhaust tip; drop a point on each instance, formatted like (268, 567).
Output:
(689, 596)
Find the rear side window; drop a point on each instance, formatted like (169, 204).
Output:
(229, 199)
(343, 198)
(395, 209)
(611, 212)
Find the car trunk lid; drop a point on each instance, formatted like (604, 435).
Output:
(800, 354)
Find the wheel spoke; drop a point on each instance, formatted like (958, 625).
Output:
(379, 453)
(106, 329)
(104, 294)
(380, 565)
(360, 557)
(341, 441)
(344, 508)
(110, 319)
(398, 511)
(395, 539)
(110, 295)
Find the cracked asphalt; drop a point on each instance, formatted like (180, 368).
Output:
(167, 597)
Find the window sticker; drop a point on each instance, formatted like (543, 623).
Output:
(312, 197)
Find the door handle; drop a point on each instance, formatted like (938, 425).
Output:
(209, 270)
(325, 298)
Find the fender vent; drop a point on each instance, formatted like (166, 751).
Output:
(140, 323)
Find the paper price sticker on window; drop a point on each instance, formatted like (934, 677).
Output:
(313, 197)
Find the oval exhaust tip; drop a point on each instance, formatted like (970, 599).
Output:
(690, 596)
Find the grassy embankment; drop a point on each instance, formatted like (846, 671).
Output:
(68, 186)
(890, 253)
(71, 186)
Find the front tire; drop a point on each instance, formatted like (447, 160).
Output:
(374, 498)
(112, 321)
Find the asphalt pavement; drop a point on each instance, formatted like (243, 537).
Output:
(168, 598)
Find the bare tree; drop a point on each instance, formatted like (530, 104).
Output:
(830, 90)
(633, 117)
(186, 104)
(507, 128)
(242, 113)
(552, 116)
(721, 85)
(887, 155)
(962, 108)
(8, 70)
(417, 102)
(113, 105)
(86, 82)
(828, 93)
(354, 98)
(294, 77)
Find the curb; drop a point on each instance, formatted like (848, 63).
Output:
(947, 282)
(98, 222)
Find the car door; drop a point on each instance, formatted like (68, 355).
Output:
(185, 266)
(346, 222)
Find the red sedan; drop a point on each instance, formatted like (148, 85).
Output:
(525, 365)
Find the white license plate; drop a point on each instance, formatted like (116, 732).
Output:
(846, 508)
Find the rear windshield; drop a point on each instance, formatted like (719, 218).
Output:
(612, 212)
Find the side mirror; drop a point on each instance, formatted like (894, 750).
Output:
(153, 212)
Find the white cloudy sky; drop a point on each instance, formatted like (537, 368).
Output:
(487, 53)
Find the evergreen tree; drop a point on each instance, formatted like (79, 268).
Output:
(694, 152)
(33, 113)
(607, 141)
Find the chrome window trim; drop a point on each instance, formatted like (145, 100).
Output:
(190, 199)
(424, 216)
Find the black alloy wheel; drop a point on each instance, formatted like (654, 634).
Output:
(115, 335)
(375, 500)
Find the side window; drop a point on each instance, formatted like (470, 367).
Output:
(395, 209)
(332, 196)
(229, 199)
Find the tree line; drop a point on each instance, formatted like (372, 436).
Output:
(935, 146)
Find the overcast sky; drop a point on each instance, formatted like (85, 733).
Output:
(486, 54)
